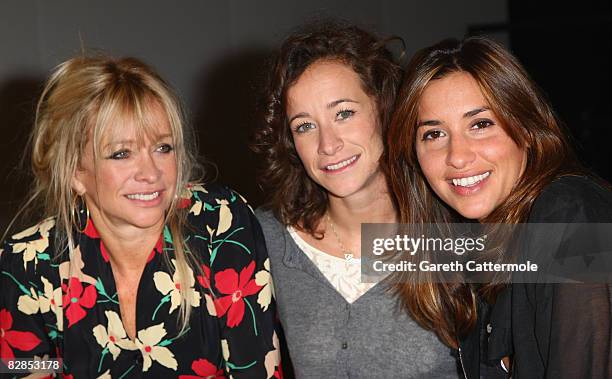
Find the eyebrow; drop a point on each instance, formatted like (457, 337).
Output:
(474, 112)
(468, 114)
(328, 106)
(339, 101)
(131, 141)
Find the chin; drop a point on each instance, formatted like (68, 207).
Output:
(343, 191)
(351, 186)
(147, 221)
(473, 213)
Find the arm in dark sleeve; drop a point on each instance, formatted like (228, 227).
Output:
(244, 294)
(563, 330)
(25, 296)
(580, 332)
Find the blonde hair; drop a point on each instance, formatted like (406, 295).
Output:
(80, 99)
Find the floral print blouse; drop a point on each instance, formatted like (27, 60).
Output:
(50, 308)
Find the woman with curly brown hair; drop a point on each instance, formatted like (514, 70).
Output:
(329, 101)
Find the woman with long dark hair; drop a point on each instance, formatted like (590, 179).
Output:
(474, 139)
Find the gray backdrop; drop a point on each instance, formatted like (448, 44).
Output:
(213, 53)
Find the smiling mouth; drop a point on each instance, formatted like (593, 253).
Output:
(144, 196)
(339, 165)
(470, 181)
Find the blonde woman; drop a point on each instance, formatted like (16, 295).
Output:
(133, 271)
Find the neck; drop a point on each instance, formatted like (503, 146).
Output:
(128, 246)
(372, 206)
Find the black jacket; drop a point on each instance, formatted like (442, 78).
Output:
(482, 350)
(551, 329)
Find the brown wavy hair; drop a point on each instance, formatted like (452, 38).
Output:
(294, 198)
(449, 309)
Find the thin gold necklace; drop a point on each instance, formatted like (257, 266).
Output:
(348, 254)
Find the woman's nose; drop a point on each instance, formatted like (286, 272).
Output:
(329, 141)
(147, 169)
(460, 152)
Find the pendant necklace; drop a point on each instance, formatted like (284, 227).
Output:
(348, 254)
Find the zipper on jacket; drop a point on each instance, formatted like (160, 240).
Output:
(462, 366)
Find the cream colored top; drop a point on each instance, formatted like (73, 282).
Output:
(344, 274)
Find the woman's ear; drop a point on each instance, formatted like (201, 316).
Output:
(77, 182)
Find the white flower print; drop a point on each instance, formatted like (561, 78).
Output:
(148, 341)
(225, 216)
(31, 248)
(49, 300)
(171, 287)
(264, 279)
(113, 337)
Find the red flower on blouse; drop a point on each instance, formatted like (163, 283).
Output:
(91, 232)
(76, 298)
(205, 280)
(229, 283)
(204, 370)
(183, 203)
(159, 248)
(104, 252)
(13, 339)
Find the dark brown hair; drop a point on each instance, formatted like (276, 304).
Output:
(294, 198)
(449, 309)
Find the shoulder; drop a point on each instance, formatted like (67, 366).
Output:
(272, 228)
(217, 210)
(577, 188)
(267, 219)
(573, 199)
(212, 201)
(274, 232)
(29, 253)
(31, 242)
(213, 193)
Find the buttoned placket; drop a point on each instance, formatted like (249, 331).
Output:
(296, 259)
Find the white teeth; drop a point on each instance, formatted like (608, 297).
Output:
(341, 164)
(470, 180)
(143, 196)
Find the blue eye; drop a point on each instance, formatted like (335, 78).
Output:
(344, 114)
(121, 154)
(304, 127)
(432, 135)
